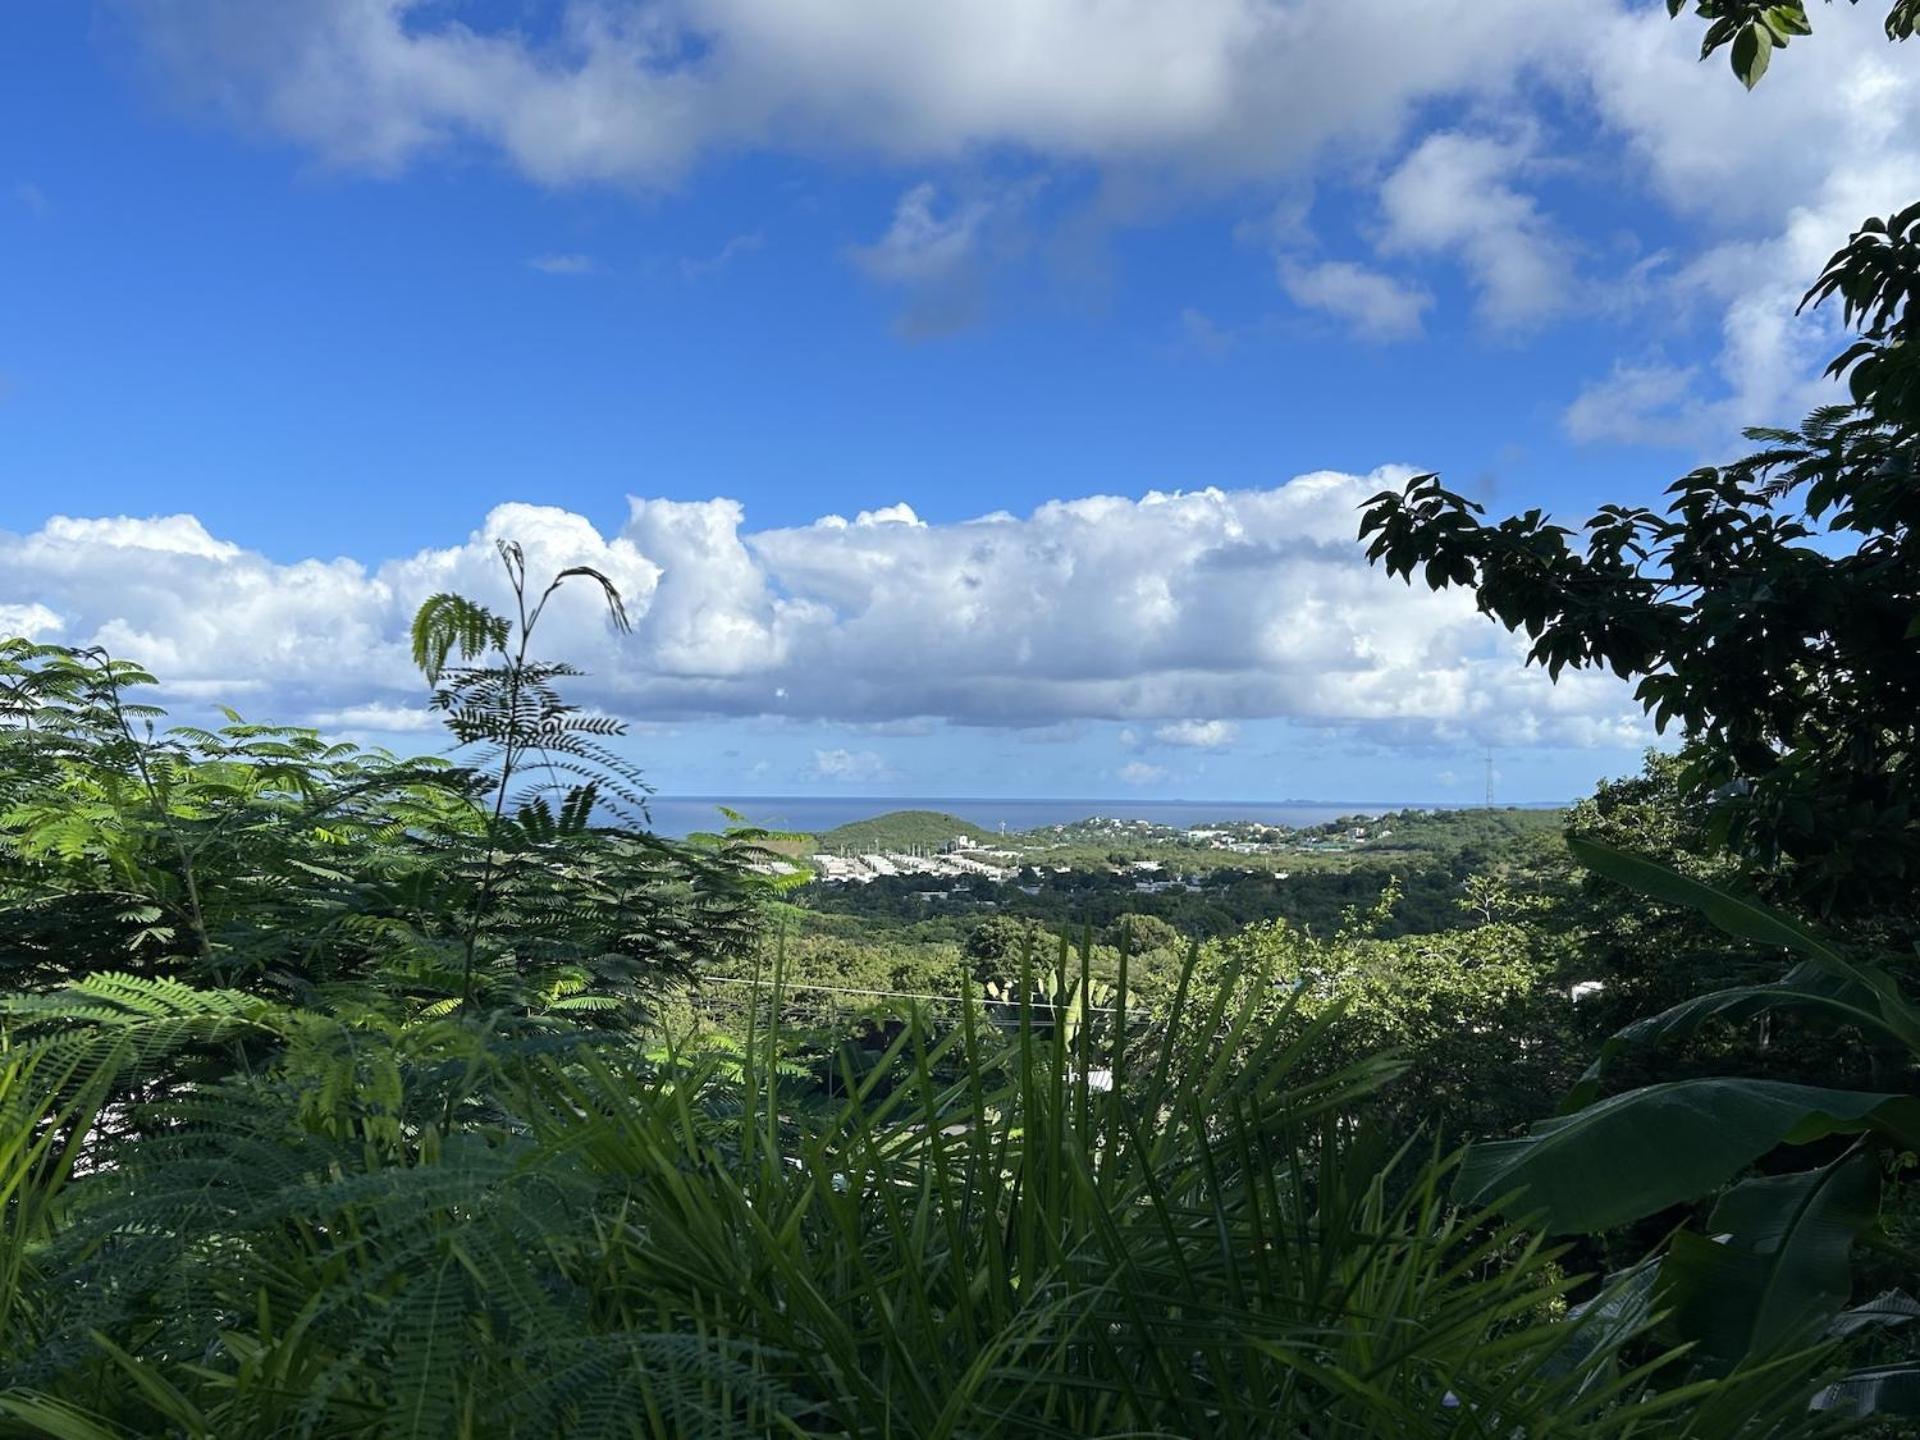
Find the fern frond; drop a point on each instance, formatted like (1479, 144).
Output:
(447, 622)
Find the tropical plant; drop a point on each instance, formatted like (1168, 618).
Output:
(1771, 612)
(560, 909)
(380, 1127)
(454, 1228)
(1475, 1014)
(230, 855)
(1751, 30)
(1774, 1268)
(516, 875)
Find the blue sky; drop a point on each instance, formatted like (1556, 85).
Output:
(341, 283)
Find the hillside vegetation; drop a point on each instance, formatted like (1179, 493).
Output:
(345, 1094)
(900, 830)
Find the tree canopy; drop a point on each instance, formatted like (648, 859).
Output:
(1772, 612)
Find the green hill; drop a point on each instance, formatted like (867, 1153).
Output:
(900, 830)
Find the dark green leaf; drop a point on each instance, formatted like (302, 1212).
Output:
(1635, 1154)
(1777, 1271)
(1882, 1390)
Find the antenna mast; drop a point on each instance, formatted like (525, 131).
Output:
(1489, 777)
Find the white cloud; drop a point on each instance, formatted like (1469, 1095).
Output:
(1162, 100)
(565, 264)
(922, 245)
(381, 719)
(31, 622)
(1228, 605)
(850, 767)
(1772, 182)
(1453, 196)
(1138, 772)
(1203, 335)
(1375, 306)
(1198, 734)
(633, 92)
(935, 250)
(700, 268)
(1651, 404)
(162, 534)
(898, 513)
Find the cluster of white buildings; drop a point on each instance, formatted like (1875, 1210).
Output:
(954, 860)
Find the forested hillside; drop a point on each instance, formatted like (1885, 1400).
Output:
(900, 830)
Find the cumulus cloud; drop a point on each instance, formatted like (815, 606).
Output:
(382, 718)
(1773, 183)
(1150, 611)
(1373, 305)
(1651, 404)
(1198, 734)
(625, 91)
(850, 767)
(1454, 195)
(31, 622)
(1138, 772)
(1162, 99)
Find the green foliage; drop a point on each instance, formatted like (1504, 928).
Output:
(1751, 30)
(900, 830)
(1778, 1269)
(1430, 856)
(596, 1244)
(1138, 934)
(1473, 1013)
(400, 1113)
(1770, 611)
(447, 623)
(1774, 1267)
(996, 947)
(1640, 1152)
(269, 857)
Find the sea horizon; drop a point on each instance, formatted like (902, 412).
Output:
(679, 815)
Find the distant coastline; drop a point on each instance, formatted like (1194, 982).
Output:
(678, 815)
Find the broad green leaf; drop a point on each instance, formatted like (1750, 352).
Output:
(1752, 49)
(1809, 987)
(1881, 1390)
(1789, 19)
(1633, 1154)
(1747, 919)
(1614, 1316)
(1750, 920)
(1777, 1271)
(1884, 1311)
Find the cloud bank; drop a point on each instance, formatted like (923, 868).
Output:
(1450, 118)
(1254, 604)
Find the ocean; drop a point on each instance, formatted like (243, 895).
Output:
(680, 814)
